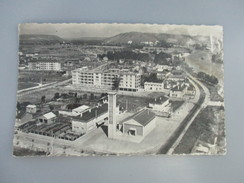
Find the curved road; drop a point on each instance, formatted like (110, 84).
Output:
(202, 100)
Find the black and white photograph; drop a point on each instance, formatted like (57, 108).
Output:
(120, 89)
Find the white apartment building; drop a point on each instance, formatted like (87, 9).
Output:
(44, 65)
(151, 86)
(105, 79)
(130, 81)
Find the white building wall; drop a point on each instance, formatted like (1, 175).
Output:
(149, 127)
(83, 127)
(150, 86)
(159, 107)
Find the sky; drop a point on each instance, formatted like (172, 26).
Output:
(70, 31)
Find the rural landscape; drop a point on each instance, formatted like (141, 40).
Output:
(119, 89)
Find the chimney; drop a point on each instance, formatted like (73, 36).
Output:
(111, 115)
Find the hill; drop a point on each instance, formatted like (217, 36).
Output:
(140, 38)
(39, 38)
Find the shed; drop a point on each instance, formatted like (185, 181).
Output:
(47, 118)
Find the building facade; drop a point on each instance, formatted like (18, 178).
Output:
(152, 86)
(141, 124)
(128, 81)
(44, 66)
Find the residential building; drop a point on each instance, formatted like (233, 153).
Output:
(178, 91)
(159, 104)
(31, 109)
(44, 65)
(128, 81)
(154, 87)
(163, 74)
(163, 67)
(177, 75)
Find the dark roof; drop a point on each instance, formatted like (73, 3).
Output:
(158, 100)
(89, 115)
(144, 117)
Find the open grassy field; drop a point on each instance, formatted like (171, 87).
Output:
(26, 76)
(24, 85)
(36, 96)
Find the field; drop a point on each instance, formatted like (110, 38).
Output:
(35, 97)
(24, 85)
(26, 76)
(208, 124)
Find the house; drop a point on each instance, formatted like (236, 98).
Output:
(164, 67)
(153, 86)
(158, 104)
(162, 74)
(140, 124)
(31, 109)
(47, 118)
(190, 91)
(178, 91)
(90, 119)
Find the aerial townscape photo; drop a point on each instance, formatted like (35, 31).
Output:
(119, 89)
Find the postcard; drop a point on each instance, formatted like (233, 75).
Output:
(120, 89)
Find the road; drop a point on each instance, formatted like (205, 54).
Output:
(203, 97)
(32, 90)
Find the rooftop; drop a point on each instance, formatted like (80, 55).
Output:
(159, 100)
(144, 117)
(81, 108)
(93, 113)
(49, 115)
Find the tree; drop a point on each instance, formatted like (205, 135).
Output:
(43, 99)
(18, 106)
(116, 83)
(163, 58)
(210, 79)
(92, 96)
(51, 107)
(85, 96)
(56, 95)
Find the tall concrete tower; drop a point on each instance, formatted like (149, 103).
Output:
(111, 114)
